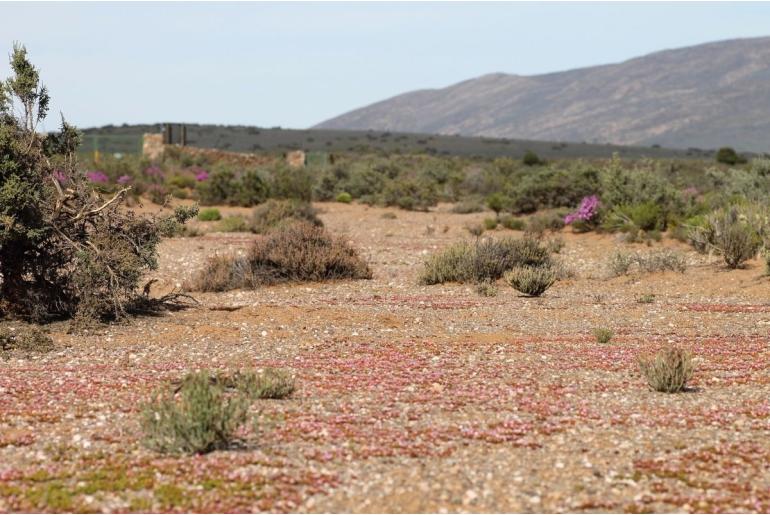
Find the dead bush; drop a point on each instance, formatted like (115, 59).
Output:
(299, 252)
(667, 371)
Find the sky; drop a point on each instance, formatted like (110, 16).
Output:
(296, 64)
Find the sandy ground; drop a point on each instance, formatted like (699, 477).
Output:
(413, 398)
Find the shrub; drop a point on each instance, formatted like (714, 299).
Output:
(646, 216)
(233, 224)
(278, 213)
(250, 190)
(531, 159)
(468, 206)
(728, 156)
(603, 335)
(539, 224)
(512, 223)
(344, 197)
(271, 383)
(475, 229)
(531, 280)
(220, 188)
(497, 202)
(490, 224)
(668, 371)
(389, 215)
(620, 263)
(486, 289)
(291, 184)
(484, 260)
(210, 214)
(586, 212)
(647, 298)
(24, 338)
(299, 252)
(64, 249)
(201, 419)
(734, 233)
(158, 194)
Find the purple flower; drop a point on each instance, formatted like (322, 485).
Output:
(124, 179)
(60, 176)
(201, 175)
(586, 211)
(97, 176)
(154, 171)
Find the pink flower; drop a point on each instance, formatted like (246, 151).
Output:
(201, 175)
(97, 176)
(153, 171)
(124, 179)
(586, 211)
(60, 176)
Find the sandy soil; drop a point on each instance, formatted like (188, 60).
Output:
(413, 398)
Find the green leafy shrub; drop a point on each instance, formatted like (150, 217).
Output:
(647, 298)
(344, 197)
(200, 419)
(233, 224)
(497, 202)
(465, 207)
(250, 190)
(220, 188)
(486, 289)
(410, 194)
(291, 184)
(531, 280)
(512, 223)
(668, 371)
(270, 383)
(299, 252)
(490, 224)
(278, 213)
(210, 214)
(531, 159)
(539, 224)
(646, 216)
(735, 233)
(65, 249)
(728, 156)
(550, 188)
(484, 260)
(603, 334)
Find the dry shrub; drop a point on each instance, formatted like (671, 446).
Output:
(531, 280)
(485, 260)
(622, 263)
(299, 252)
(667, 371)
(24, 338)
(278, 213)
(603, 334)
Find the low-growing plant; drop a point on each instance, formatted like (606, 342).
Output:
(201, 417)
(25, 338)
(389, 215)
(622, 263)
(603, 334)
(531, 280)
(300, 252)
(486, 289)
(667, 371)
(278, 213)
(647, 298)
(465, 207)
(344, 197)
(512, 223)
(490, 224)
(475, 229)
(735, 233)
(270, 383)
(209, 214)
(233, 224)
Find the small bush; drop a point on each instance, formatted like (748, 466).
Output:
(24, 338)
(278, 213)
(668, 371)
(486, 289)
(468, 206)
(621, 263)
(531, 280)
(603, 334)
(484, 260)
(389, 215)
(728, 156)
(475, 229)
(647, 298)
(512, 223)
(531, 159)
(200, 419)
(210, 214)
(271, 383)
(233, 224)
(490, 224)
(734, 233)
(539, 224)
(344, 197)
(299, 252)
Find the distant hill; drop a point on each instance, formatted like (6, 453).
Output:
(127, 139)
(704, 96)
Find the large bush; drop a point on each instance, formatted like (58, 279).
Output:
(64, 248)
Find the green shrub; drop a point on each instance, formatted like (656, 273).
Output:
(278, 213)
(668, 371)
(541, 223)
(512, 223)
(603, 334)
(531, 280)
(646, 216)
(735, 233)
(490, 224)
(271, 383)
(233, 224)
(220, 188)
(299, 252)
(465, 207)
(291, 184)
(484, 260)
(200, 419)
(531, 159)
(728, 156)
(497, 202)
(621, 263)
(250, 190)
(344, 197)
(210, 214)
(410, 194)
(475, 229)
(486, 289)
(647, 298)
(65, 249)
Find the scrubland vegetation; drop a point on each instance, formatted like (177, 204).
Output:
(373, 316)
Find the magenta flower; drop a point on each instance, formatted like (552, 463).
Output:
(60, 176)
(586, 211)
(97, 176)
(124, 179)
(201, 175)
(154, 171)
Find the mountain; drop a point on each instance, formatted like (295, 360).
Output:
(704, 96)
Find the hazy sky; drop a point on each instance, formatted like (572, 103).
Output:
(296, 64)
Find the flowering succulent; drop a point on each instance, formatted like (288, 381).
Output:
(201, 175)
(153, 171)
(60, 176)
(586, 211)
(124, 179)
(97, 176)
